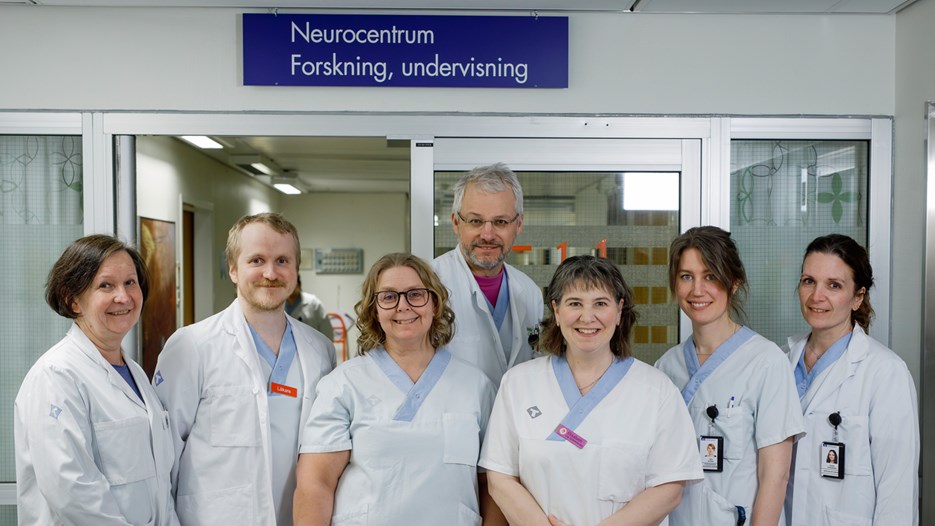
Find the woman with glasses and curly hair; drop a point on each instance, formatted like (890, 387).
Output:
(394, 435)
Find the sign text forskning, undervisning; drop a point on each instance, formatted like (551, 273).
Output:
(405, 51)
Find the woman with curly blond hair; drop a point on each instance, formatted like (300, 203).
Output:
(394, 434)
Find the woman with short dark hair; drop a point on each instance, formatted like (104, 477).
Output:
(92, 438)
(588, 434)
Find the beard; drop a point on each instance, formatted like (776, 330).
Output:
(264, 295)
(486, 264)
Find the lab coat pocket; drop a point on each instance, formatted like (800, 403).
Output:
(621, 473)
(355, 517)
(223, 506)
(854, 431)
(736, 433)
(462, 438)
(839, 518)
(235, 421)
(125, 449)
(467, 516)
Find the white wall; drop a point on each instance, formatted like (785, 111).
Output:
(190, 59)
(167, 168)
(376, 223)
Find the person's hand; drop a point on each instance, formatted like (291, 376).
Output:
(553, 521)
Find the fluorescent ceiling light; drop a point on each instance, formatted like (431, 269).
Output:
(287, 188)
(203, 142)
(262, 168)
(651, 191)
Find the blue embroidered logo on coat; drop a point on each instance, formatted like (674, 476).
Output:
(157, 378)
(533, 412)
(54, 411)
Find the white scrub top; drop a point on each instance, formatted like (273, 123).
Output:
(765, 411)
(477, 339)
(88, 450)
(210, 379)
(874, 392)
(638, 436)
(414, 448)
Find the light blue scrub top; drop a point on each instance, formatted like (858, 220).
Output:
(803, 380)
(284, 415)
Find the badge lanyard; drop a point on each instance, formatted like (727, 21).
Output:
(831, 454)
(581, 406)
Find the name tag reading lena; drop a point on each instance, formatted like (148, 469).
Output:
(576, 440)
(283, 389)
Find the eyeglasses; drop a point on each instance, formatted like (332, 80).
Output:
(389, 299)
(476, 223)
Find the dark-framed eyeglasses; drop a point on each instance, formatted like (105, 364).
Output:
(498, 223)
(389, 299)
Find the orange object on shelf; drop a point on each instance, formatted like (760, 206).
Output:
(564, 248)
(602, 249)
(522, 248)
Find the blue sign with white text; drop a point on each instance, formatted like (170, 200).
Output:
(405, 51)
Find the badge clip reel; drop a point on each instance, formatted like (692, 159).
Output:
(711, 446)
(831, 454)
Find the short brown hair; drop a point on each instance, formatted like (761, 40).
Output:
(271, 219)
(75, 269)
(592, 273)
(371, 333)
(720, 255)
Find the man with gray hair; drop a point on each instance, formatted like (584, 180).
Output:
(497, 307)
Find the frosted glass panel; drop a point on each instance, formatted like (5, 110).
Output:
(583, 213)
(40, 214)
(786, 193)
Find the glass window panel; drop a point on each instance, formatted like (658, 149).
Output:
(785, 194)
(576, 211)
(40, 214)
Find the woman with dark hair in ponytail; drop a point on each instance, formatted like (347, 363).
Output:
(858, 399)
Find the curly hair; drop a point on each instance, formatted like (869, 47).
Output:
(589, 272)
(371, 333)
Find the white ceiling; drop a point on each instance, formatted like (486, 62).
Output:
(636, 6)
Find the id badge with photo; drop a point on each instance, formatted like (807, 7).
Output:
(831, 460)
(711, 449)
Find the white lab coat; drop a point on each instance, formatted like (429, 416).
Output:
(476, 338)
(766, 411)
(872, 388)
(422, 471)
(209, 378)
(311, 311)
(88, 451)
(639, 436)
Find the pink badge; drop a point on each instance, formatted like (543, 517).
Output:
(577, 440)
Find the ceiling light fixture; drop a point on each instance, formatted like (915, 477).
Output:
(202, 141)
(287, 188)
(256, 164)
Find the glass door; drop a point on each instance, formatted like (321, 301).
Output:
(623, 199)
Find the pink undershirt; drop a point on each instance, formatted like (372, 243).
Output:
(490, 286)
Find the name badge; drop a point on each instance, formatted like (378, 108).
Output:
(576, 440)
(832, 460)
(711, 448)
(283, 389)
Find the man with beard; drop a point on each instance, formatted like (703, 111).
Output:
(238, 385)
(497, 307)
